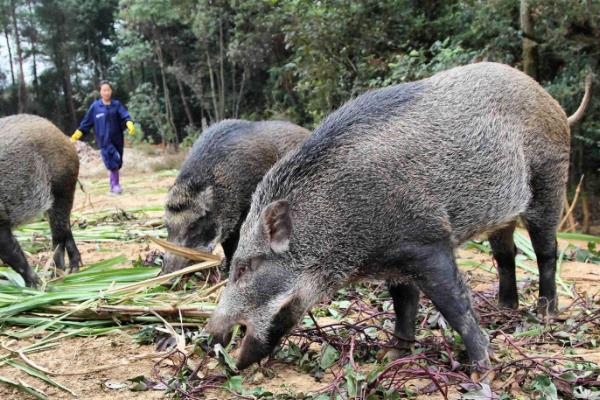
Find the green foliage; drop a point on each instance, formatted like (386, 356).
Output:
(145, 104)
(180, 66)
(329, 355)
(543, 386)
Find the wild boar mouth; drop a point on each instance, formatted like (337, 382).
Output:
(252, 350)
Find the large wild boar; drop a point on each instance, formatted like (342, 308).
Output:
(38, 172)
(386, 188)
(211, 195)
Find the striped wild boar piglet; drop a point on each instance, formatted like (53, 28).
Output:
(38, 171)
(211, 195)
(386, 188)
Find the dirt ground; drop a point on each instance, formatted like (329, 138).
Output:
(143, 188)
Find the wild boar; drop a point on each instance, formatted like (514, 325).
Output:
(38, 170)
(386, 188)
(211, 195)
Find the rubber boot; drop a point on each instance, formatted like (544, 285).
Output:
(115, 187)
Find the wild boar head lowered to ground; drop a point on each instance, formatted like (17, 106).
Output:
(211, 195)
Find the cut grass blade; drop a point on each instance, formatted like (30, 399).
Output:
(38, 301)
(38, 374)
(12, 276)
(165, 278)
(524, 244)
(477, 264)
(23, 387)
(578, 236)
(101, 294)
(190, 254)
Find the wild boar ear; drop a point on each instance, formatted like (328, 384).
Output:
(205, 199)
(278, 225)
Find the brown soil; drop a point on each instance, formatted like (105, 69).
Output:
(142, 189)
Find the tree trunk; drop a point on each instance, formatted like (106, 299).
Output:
(35, 73)
(98, 65)
(33, 48)
(168, 104)
(62, 63)
(68, 89)
(186, 106)
(240, 94)
(218, 115)
(233, 90)
(222, 70)
(529, 45)
(22, 88)
(155, 116)
(588, 7)
(131, 78)
(10, 57)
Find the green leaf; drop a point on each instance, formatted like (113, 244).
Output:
(234, 383)
(224, 357)
(354, 380)
(543, 385)
(569, 376)
(329, 355)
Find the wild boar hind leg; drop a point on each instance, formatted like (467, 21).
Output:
(62, 236)
(503, 247)
(542, 219)
(406, 301)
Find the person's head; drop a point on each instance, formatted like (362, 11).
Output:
(105, 90)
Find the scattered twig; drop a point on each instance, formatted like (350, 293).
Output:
(569, 209)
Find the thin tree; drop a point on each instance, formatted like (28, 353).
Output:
(166, 92)
(33, 37)
(529, 45)
(22, 92)
(10, 56)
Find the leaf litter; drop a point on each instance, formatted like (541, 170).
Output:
(335, 347)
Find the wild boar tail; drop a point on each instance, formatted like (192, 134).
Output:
(573, 119)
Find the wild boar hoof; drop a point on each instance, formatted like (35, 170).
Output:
(394, 350)
(33, 282)
(547, 308)
(511, 304)
(482, 372)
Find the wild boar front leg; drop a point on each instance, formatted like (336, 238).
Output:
(12, 254)
(439, 279)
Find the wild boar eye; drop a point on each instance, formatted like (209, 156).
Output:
(193, 226)
(242, 267)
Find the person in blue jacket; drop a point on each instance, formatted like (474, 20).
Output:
(109, 118)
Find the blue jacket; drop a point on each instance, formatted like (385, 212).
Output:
(108, 122)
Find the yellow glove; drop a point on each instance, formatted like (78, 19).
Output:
(76, 136)
(130, 127)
